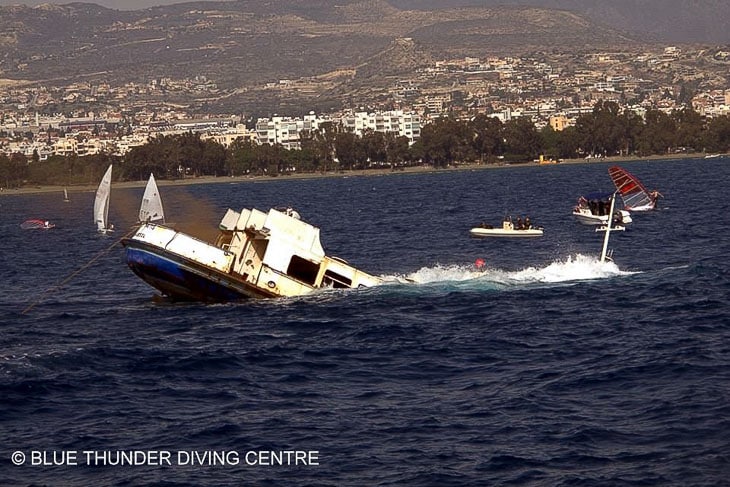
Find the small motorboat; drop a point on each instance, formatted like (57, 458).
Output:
(37, 224)
(593, 209)
(507, 230)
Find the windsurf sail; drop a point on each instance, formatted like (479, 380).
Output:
(151, 208)
(636, 197)
(101, 203)
(36, 224)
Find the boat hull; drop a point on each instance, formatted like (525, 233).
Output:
(506, 233)
(587, 218)
(617, 228)
(649, 207)
(180, 278)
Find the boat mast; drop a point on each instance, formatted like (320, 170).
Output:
(608, 228)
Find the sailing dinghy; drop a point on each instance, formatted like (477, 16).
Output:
(151, 208)
(101, 203)
(636, 197)
(65, 196)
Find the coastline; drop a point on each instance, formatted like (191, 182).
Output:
(332, 174)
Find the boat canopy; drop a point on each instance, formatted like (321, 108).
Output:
(598, 196)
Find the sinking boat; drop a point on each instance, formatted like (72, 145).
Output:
(634, 195)
(594, 209)
(256, 255)
(507, 230)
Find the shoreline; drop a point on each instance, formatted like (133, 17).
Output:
(350, 173)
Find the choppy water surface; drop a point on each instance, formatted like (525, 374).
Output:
(548, 368)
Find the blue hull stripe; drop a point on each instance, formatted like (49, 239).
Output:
(177, 277)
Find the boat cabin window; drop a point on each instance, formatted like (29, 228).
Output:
(335, 280)
(303, 270)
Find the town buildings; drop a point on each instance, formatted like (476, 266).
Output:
(551, 89)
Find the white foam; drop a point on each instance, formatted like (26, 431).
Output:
(573, 268)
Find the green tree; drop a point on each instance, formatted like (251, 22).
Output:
(374, 145)
(600, 132)
(349, 150)
(568, 143)
(7, 174)
(396, 149)
(522, 140)
(13, 170)
(717, 137)
(630, 125)
(690, 128)
(488, 139)
(658, 135)
(241, 157)
(445, 141)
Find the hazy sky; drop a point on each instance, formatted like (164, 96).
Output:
(116, 4)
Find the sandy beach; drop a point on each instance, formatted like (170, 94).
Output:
(330, 174)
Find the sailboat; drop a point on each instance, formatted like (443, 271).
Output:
(636, 197)
(151, 208)
(101, 203)
(65, 195)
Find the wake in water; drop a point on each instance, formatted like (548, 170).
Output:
(574, 268)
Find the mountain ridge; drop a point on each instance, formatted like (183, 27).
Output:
(72, 40)
(343, 47)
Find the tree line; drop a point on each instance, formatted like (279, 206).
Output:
(606, 131)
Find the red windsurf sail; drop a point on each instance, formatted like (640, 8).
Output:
(36, 224)
(636, 197)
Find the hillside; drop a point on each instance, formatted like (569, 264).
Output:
(239, 42)
(343, 46)
(680, 21)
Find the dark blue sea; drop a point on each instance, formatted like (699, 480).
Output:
(548, 368)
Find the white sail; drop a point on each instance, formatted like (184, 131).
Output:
(151, 208)
(101, 203)
(65, 195)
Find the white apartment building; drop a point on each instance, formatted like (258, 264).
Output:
(127, 142)
(65, 146)
(286, 130)
(231, 134)
(396, 122)
(28, 149)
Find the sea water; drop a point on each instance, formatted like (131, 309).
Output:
(545, 367)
